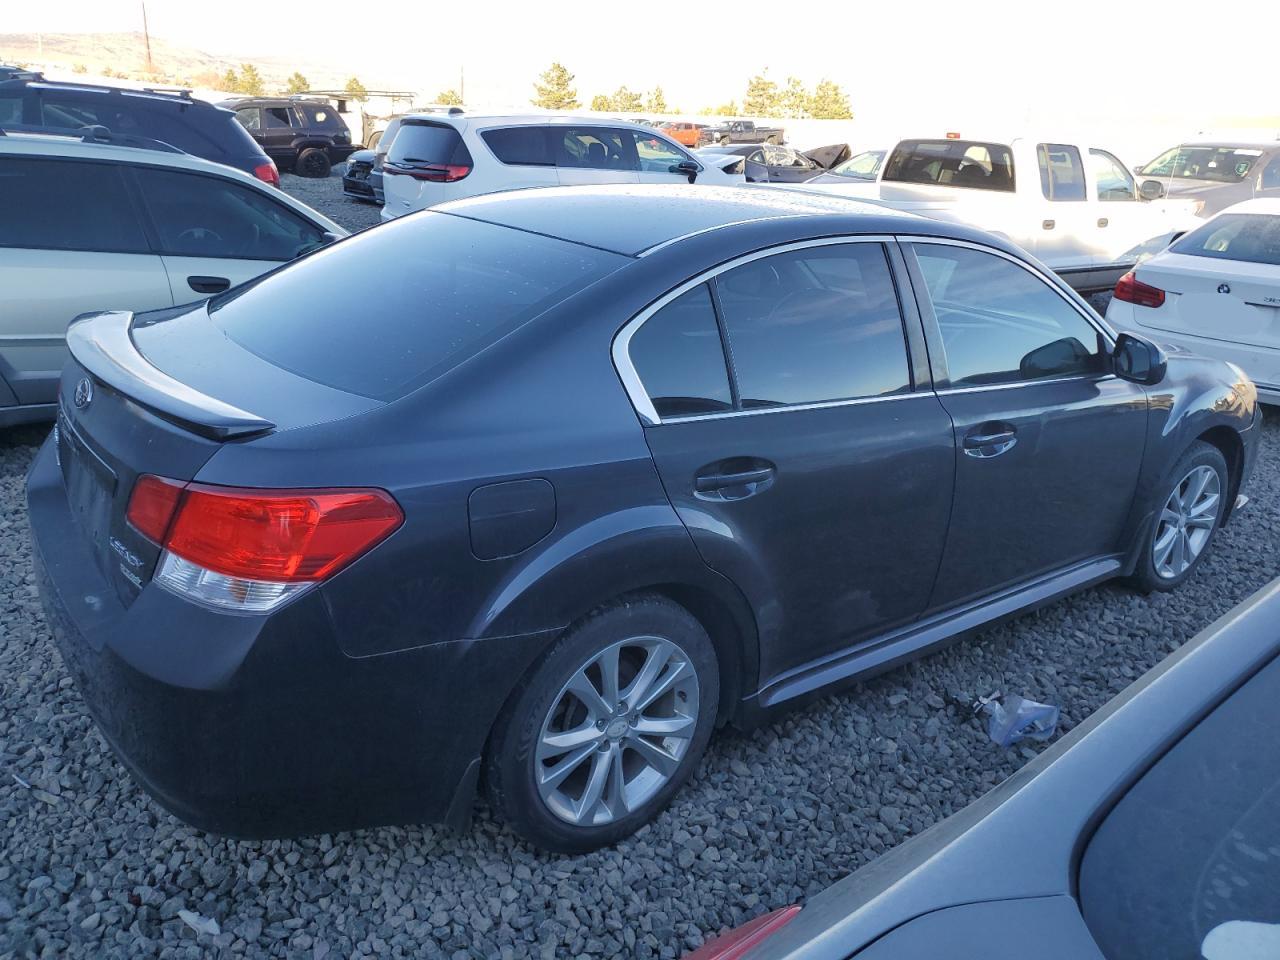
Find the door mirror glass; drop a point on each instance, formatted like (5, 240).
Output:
(1152, 190)
(688, 168)
(1138, 359)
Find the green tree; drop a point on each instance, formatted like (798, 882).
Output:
(829, 102)
(624, 101)
(761, 99)
(555, 89)
(794, 99)
(657, 102)
(355, 90)
(229, 82)
(729, 109)
(79, 68)
(296, 83)
(450, 98)
(250, 80)
(601, 103)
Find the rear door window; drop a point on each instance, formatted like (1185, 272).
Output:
(1251, 237)
(595, 148)
(952, 163)
(201, 216)
(525, 146)
(404, 303)
(66, 205)
(276, 118)
(1061, 172)
(250, 117)
(679, 358)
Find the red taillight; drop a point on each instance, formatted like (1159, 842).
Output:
(267, 173)
(1132, 290)
(738, 942)
(434, 172)
(282, 536)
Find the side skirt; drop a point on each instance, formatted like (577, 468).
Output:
(925, 636)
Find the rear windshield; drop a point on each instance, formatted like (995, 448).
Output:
(1251, 237)
(209, 133)
(395, 307)
(1223, 164)
(428, 143)
(952, 163)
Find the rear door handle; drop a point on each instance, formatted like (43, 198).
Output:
(708, 482)
(208, 284)
(985, 444)
(734, 479)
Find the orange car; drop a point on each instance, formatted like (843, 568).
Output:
(686, 133)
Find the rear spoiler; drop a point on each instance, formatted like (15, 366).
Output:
(101, 343)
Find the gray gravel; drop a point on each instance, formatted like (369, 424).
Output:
(89, 866)
(326, 196)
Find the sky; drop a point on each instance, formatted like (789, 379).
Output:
(1016, 60)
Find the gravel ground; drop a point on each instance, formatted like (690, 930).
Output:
(327, 197)
(89, 866)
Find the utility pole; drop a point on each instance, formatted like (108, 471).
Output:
(146, 35)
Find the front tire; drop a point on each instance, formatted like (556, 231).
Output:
(1189, 507)
(607, 728)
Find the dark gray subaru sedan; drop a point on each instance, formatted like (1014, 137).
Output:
(530, 492)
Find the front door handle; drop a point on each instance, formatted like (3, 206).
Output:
(1103, 221)
(734, 479)
(1048, 224)
(208, 284)
(985, 442)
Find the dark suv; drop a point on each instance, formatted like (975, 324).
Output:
(169, 115)
(301, 135)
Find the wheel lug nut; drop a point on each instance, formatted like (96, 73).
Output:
(600, 724)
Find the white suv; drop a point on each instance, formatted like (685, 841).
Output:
(439, 157)
(95, 224)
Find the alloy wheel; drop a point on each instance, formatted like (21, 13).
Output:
(617, 731)
(1186, 522)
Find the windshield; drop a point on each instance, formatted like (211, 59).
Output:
(388, 310)
(864, 166)
(1251, 237)
(1224, 164)
(1187, 864)
(952, 163)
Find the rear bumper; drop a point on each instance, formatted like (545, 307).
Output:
(257, 726)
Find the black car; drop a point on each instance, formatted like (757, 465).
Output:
(171, 116)
(363, 179)
(304, 136)
(1150, 832)
(767, 163)
(536, 489)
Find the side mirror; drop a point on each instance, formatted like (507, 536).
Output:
(688, 168)
(1138, 359)
(1152, 190)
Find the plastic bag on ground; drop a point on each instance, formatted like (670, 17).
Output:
(1014, 718)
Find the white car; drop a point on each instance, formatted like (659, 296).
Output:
(440, 157)
(1075, 206)
(95, 224)
(1216, 292)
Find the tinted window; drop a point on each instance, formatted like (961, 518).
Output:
(251, 117)
(1061, 172)
(1187, 864)
(319, 115)
(655, 154)
(678, 355)
(530, 146)
(1000, 323)
(1271, 175)
(384, 312)
(1113, 180)
(61, 205)
(813, 325)
(428, 143)
(597, 148)
(199, 131)
(72, 113)
(952, 163)
(276, 117)
(10, 109)
(1251, 237)
(1221, 163)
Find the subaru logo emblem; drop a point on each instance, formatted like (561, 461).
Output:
(84, 393)
(1224, 288)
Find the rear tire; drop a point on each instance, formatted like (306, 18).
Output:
(1188, 506)
(570, 770)
(313, 162)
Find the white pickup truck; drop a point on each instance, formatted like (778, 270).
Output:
(1075, 207)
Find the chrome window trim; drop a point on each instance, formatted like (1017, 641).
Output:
(621, 350)
(786, 408)
(979, 388)
(1090, 317)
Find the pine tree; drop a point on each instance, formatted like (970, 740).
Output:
(601, 103)
(449, 98)
(555, 89)
(230, 82)
(794, 100)
(355, 90)
(761, 99)
(624, 101)
(829, 102)
(657, 102)
(297, 83)
(250, 81)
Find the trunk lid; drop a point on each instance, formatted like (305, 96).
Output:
(1229, 300)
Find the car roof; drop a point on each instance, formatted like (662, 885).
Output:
(523, 119)
(1230, 143)
(15, 143)
(1268, 206)
(633, 219)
